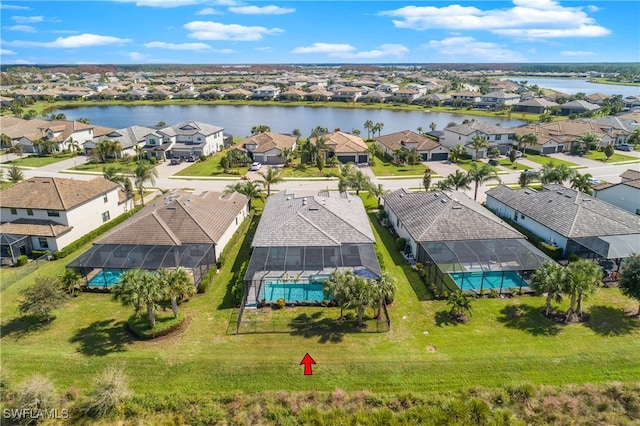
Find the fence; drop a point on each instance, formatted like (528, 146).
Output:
(248, 321)
(10, 276)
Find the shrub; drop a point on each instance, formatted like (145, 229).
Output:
(493, 293)
(153, 160)
(573, 258)
(111, 389)
(22, 260)
(57, 255)
(401, 243)
(280, 303)
(140, 327)
(203, 157)
(39, 253)
(551, 251)
(36, 393)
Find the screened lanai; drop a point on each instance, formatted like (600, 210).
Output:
(305, 265)
(480, 265)
(102, 264)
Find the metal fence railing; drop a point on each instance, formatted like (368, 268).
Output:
(10, 276)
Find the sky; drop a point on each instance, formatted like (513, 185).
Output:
(317, 32)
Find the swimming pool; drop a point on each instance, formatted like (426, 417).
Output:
(487, 280)
(106, 278)
(292, 292)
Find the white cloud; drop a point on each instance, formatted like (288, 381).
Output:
(593, 8)
(177, 46)
(464, 49)
(577, 53)
(208, 11)
(13, 7)
(384, 51)
(162, 3)
(82, 40)
(27, 19)
(21, 28)
(7, 52)
(203, 30)
(527, 18)
(261, 10)
(137, 56)
(325, 48)
(264, 49)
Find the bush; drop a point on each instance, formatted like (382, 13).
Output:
(37, 393)
(140, 327)
(573, 258)
(39, 253)
(111, 389)
(57, 255)
(153, 160)
(22, 260)
(551, 251)
(401, 243)
(280, 303)
(203, 157)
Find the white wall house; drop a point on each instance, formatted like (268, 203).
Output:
(625, 195)
(463, 135)
(54, 212)
(193, 138)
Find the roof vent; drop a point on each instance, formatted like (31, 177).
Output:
(559, 192)
(526, 191)
(443, 201)
(171, 208)
(567, 196)
(456, 207)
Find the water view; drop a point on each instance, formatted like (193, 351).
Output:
(572, 86)
(238, 120)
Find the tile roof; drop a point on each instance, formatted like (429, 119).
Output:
(190, 128)
(400, 139)
(630, 174)
(568, 212)
(328, 219)
(478, 126)
(52, 193)
(446, 216)
(267, 141)
(128, 137)
(34, 227)
(342, 142)
(180, 218)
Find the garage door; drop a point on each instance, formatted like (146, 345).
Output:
(548, 149)
(363, 158)
(439, 156)
(273, 159)
(346, 158)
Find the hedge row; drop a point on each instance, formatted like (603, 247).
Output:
(87, 238)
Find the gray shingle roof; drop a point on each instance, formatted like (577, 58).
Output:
(328, 219)
(569, 213)
(442, 216)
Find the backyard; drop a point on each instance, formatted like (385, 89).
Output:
(507, 341)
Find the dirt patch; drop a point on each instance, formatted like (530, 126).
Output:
(431, 349)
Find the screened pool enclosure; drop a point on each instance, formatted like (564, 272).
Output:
(480, 265)
(102, 264)
(296, 273)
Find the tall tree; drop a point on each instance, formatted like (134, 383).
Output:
(608, 151)
(143, 173)
(249, 189)
(128, 289)
(413, 157)
(261, 128)
(369, 126)
(345, 177)
(582, 279)
(433, 126)
(426, 181)
(360, 182)
(272, 177)
(377, 191)
(629, 281)
(527, 177)
(458, 180)
(15, 174)
(456, 153)
(477, 143)
(177, 285)
(548, 279)
(40, 299)
(384, 288)
(582, 182)
(337, 288)
(480, 175)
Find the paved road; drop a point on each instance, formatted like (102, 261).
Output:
(166, 180)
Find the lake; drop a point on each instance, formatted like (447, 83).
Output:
(572, 86)
(238, 120)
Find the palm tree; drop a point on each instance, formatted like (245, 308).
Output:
(384, 288)
(459, 180)
(15, 174)
(413, 157)
(583, 143)
(116, 174)
(426, 181)
(369, 126)
(582, 182)
(548, 279)
(582, 279)
(337, 288)
(151, 292)
(144, 172)
(139, 151)
(477, 143)
(529, 140)
(177, 284)
(456, 152)
(480, 175)
(270, 178)
(374, 151)
(629, 282)
(377, 191)
(70, 280)
(526, 178)
(286, 155)
(460, 305)
(249, 189)
(433, 126)
(345, 177)
(128, 288)
(260, 129)
(359, 181)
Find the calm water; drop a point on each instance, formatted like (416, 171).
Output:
(572, 86)
(238, 120)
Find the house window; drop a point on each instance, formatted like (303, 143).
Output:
(199, 138)
(105, 198)
(43, 243)
(105, 216)
(29, 212)
(521, 215)
(498, 137)
(13, 211)
(152, 141)
(515, 216)
(53, 213)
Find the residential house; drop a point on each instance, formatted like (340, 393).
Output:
(429, 149)
(571, 220)
(265, 92)
(578, 107)
(625, 194)
(596, 98)
(458, 241)
(535, 106)
(129, 138)
(346, 147)
(64, 134)
(347, 94)
(48, 213)
(267, 147)
(304, 239)
(292, 94)
(406, 95)
(463, 134)
(498, 99)
(192, 138)
(178, 230)
(465, 97)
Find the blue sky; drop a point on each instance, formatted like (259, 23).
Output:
(270, 32)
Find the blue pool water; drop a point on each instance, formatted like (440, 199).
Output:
(294, 292)
(487, 280)
(106, 278)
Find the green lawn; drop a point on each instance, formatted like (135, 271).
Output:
(423, 352)
(515, 166)
(386, 168)
(211, 167)
(39, 161)
(299, 170)
(615, 158)
(544, 159)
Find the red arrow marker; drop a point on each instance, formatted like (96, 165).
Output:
(307, 361)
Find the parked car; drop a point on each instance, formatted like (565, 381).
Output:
(518, 154)
(594, 181)
(255, 167)
(177, 160)
(494, 162)
(193, 158)
(624, 147)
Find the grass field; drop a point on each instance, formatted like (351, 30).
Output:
(615, 158)
(543, 160)
(211, 167)
(506, 342)
(38, 161)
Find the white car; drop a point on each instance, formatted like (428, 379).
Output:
(255, 167)
(518, 154)
(594, 181)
